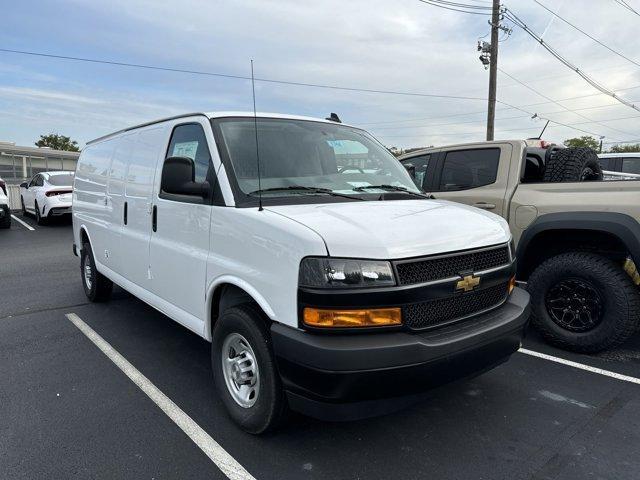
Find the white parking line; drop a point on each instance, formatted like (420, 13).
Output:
(218, 455)
(581, 366)
(25, 224)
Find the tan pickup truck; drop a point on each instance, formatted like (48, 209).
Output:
(577, 233)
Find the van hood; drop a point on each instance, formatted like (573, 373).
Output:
(398, 228)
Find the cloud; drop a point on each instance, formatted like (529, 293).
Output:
(402, 45)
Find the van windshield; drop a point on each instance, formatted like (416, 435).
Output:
(301, 157)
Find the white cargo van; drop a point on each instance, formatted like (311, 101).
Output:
(324, 278)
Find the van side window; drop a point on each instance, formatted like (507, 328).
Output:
(189, 141)
(466, 169)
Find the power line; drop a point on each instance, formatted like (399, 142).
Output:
(515, 19)
(559, 104)
(460, 133)
(577, 97)
(437, 4)
(445, 124)
(461, 5)
(627, 6)
(586, 34)
(236, 77)
(376, 129)
(268, 80)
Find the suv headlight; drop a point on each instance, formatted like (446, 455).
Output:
(324, 272)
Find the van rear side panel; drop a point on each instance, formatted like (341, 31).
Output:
(90, 204)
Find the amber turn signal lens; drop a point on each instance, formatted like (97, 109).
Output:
(512, 283)
(378, 317)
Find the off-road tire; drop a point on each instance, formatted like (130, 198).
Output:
(621, 301)
(40, 220)
(572, 165)
(270, 406)
(101, 287)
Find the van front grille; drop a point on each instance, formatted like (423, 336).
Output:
(441, 267)
(432, 313)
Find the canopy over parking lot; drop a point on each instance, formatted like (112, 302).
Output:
(18, 163)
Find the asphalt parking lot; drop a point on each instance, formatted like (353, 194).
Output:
(67, 410)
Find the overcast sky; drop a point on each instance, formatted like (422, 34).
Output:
(399, 45)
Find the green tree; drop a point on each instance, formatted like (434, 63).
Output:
(584, 141)
(58, 142)
(629, 148)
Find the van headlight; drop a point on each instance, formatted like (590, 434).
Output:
(324, 272)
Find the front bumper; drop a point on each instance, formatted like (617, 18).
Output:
(347, 376)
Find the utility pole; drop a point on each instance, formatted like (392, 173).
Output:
(493, 68)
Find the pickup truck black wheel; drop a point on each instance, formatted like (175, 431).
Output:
(583, 302)
(572, 165)
(244, 370)
(97, 287)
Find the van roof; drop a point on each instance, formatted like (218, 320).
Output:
(212, 115)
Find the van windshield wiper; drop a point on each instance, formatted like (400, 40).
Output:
(302, 188)
(391, 188)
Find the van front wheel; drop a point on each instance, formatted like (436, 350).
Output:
(244, 370)
(97, 287)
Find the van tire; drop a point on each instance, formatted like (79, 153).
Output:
(97, 287)
(247, 322)
(572, 165)
(596, 277)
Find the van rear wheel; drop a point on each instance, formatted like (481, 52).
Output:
(244, 370)
(97, 287)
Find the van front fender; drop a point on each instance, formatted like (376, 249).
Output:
(244, 286)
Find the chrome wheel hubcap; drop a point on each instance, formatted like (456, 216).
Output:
(240, 370)
(87, 274)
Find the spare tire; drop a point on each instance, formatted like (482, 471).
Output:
(572, 165)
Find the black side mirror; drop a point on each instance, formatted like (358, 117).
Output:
(411, 168)
(178, 178)
(24, 184)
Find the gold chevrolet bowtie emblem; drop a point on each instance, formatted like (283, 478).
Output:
(468, 283)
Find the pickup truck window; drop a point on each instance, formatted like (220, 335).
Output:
(607, 163)
(631, 165)
(465, 169)
(312, 155)
(420, 164)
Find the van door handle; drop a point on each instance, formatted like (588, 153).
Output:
(125, 213)
(154, 218)
(485, 205)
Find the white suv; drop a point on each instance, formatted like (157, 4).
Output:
(324, 278)
(47, 194)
